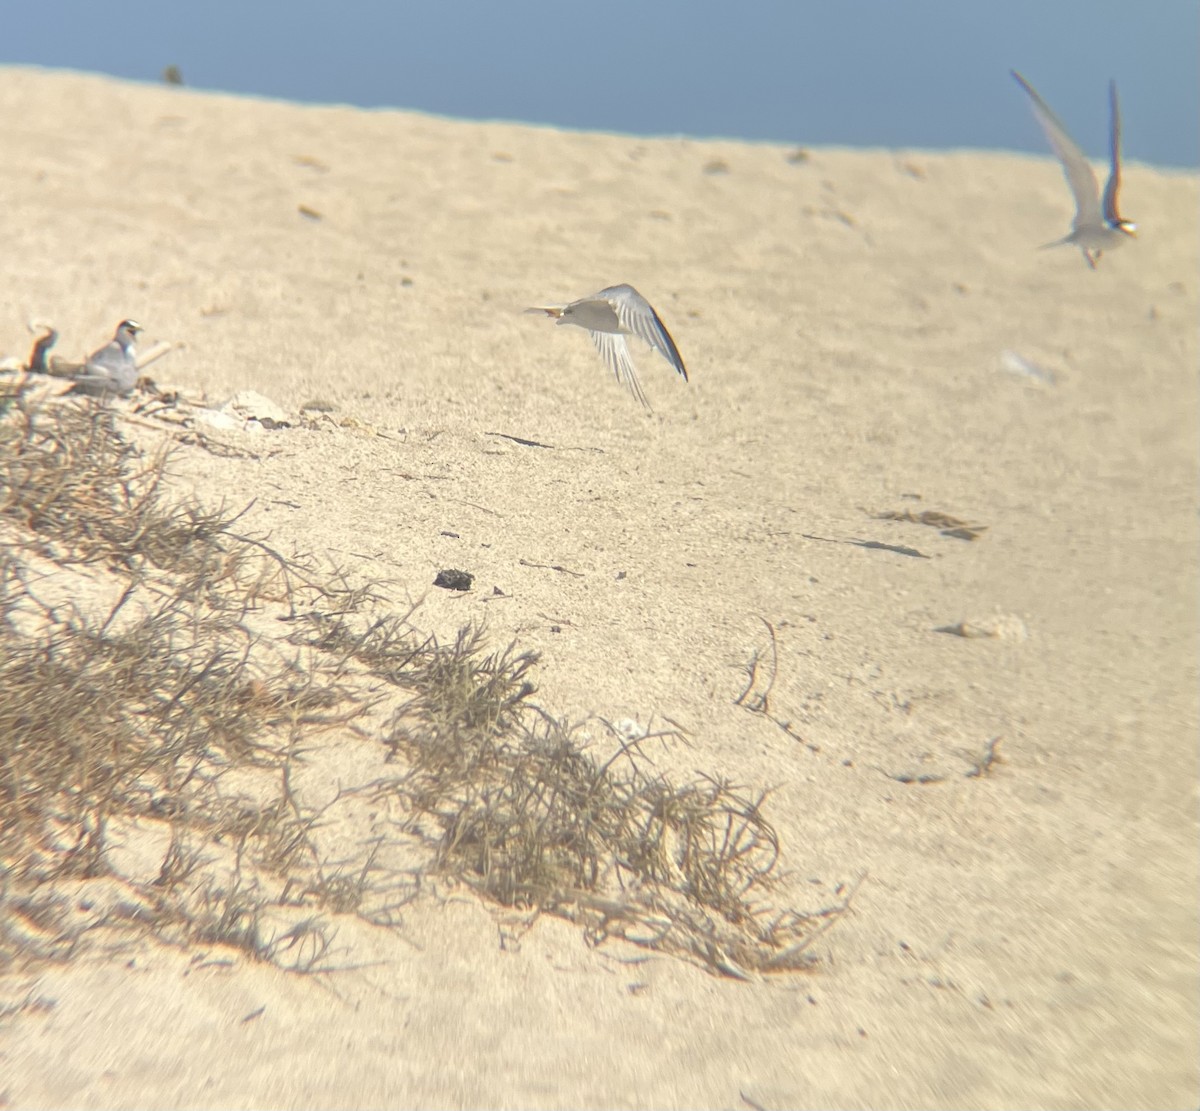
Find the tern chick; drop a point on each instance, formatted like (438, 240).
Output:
(1098, 225)
(611, 315)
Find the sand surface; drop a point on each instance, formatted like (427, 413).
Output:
(1028, 938)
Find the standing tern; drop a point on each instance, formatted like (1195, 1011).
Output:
(611, 315)
(1098, 225)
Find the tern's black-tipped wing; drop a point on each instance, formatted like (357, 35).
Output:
(638, 316)
(1113, 186)
(1076, 168)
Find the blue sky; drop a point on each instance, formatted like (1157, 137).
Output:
(927, 73)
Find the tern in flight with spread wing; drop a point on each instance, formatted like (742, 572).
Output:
(611, 315)
(1098, 225)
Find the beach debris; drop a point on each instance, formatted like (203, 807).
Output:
(217, 419)
(452, 579)
(550, 567)
(519, 440)
(761, 674)
(252, 406)
(877, 545)
(155, 353)
(981, 766)
(920, 779)
(629, 730)
(898, 549)
(996, 626)
(43, 343)
(947, 525)
(1014, 363)
(246, 411)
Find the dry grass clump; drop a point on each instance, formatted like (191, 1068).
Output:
(153, 710)
(156, 724)
(516, 804)
(528, 815)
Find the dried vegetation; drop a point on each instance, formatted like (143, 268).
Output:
(168, 685)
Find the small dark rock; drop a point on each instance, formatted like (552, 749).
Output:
(454, 580)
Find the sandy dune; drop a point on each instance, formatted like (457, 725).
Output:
(1024, 938)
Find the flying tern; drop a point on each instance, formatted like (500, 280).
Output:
(608, 317)
(1098, 225)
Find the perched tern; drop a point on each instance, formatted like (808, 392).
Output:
(112, 369)
(611, 315)
(1098, 225)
